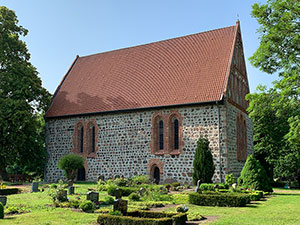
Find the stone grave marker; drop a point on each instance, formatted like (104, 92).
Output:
(120, 204)
(71, 190)
(3, 199)
(92, 196)
(35, 187)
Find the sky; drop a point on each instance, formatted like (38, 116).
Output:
(61, 29)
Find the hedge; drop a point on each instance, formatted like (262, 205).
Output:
(210, 187)
(140, 217)
(219, 199)
(9, 191)
(125, 191)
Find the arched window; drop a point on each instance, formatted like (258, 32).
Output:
(241, 138)
(161, 135)
(91, 138)
(176, 134)
(81, 139)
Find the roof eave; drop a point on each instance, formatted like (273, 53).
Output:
(220, 101)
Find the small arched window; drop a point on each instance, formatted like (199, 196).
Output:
(93, 140)
(176, 134)
(241, 138)
(161, 135)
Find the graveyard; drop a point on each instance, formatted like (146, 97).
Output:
(88, 202)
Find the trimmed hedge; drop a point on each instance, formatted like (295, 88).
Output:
(9, 191)
(210, 187)
(125, 191)
(140, 217)
(219, 199)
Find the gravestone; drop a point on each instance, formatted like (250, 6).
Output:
(101, 177)
(35, 187)
(198, 186)
(3, 200)
(71, 190)
(92, 196)
(120, 204)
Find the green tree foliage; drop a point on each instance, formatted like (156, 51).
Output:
(22, 98)
(70, 164)
(203, 162)
(254, 176)
(1, 211)
(275, 112)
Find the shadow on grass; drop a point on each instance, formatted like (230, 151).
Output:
(290, 194)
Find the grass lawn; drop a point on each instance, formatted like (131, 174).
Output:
(282, 208)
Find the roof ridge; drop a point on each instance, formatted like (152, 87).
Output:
(154, 42)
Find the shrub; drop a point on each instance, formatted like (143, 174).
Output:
(123, 182)
(254, 176)
(87, 206)
(74, 203)
(211, 187)
(108, 200)
(59, 194)
(143, 179)
(54, 186)
(125, 191)
(115, 213)
(219, 199)
(70, 164)
(175, 184)
(9, 191)
(1, 211)
(230, 179)
(203, 162)
(134, 197)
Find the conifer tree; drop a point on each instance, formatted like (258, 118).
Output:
(254, 176)
(203, 162)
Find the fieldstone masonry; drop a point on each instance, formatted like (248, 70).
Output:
(124, 143)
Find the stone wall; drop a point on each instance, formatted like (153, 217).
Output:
(235, 166)
(124, 143)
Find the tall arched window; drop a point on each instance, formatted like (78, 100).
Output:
(81, 139)
(93, 140)
(161, 135)
(176, 134)
(241, 138)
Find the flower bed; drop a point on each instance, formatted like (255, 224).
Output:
(140, 217)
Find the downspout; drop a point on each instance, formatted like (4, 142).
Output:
(219, 133)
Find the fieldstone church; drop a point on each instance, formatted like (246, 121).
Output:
(141, 110)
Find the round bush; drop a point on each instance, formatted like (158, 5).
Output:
(1, 211)
(134, 197)
(87, 206)
(70, 164)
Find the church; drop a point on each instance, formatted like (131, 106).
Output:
(141, 110)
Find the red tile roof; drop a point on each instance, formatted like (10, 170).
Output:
(189, 69)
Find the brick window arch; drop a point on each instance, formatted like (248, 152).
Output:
(241, 138)
(175, 133)
(85, 138)
(158, 134)
(78, 138)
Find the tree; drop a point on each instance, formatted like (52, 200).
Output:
(70, 164)
(203, 162)
(254, 176)
(275, 112)
(22, 98)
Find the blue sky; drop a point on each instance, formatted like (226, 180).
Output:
(61, 29)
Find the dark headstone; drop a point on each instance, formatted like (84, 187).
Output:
(92, 196)
(121, 205)
(3, 200)
(118, 193)
(71, 190)
(35, 187)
